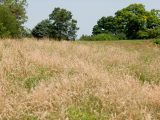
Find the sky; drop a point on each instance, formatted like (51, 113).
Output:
(86, 12)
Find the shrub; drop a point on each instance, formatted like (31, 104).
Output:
(103, 37)
(157, 42)
(85, 37)
(142, 34)
(121, 36)
(153, 33)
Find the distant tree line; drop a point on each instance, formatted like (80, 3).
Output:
(132, 22)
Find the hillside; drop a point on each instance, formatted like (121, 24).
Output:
(47, 80)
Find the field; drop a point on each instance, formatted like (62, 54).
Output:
(48, 80)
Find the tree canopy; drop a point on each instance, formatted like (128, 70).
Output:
(12, 17)
(42, 29)
(105, 25)
(9, 27)
(17, 7)
(134, 21)
(60, 26)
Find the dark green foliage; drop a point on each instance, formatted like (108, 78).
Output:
(121, 36)
(12, 17)
(157, 42)
(86, 38)
(63, 25)
(42, 29)
(25, 32)
(59, 26)
(105, 25)
(133, 21)
(103, 37)
(17, 8)
(3, 31)
(137, 23)
(9, 27)
(156, 13)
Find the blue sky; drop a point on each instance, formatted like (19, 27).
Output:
(86, 12)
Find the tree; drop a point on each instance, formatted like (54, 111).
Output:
(60, 25)
(26, 32)
(105, 25)
(156, 12)
(16, 10)
(63, 25)
(134, 21)
(9, 27)
(17, 7)
(42, 29)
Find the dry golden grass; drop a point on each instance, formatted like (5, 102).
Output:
(48, 80)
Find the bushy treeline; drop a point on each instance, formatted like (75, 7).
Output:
(132, 22)
(103, 37)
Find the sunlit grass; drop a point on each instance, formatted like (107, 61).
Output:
(47, 80)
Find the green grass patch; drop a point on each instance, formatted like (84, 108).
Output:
(41, 74)
(89, 109)
(144, 74)
(32, 77)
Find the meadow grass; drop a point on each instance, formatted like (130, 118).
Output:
(49, 80)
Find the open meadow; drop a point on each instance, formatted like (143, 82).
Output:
(107, 80)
